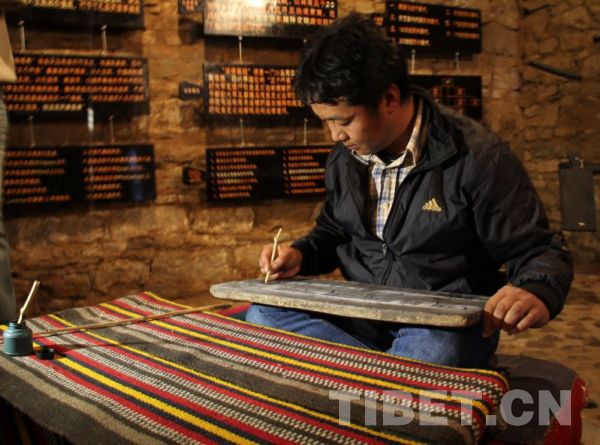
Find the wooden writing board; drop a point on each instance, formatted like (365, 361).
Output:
(359, 300)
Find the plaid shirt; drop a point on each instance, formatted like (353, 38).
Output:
(386, 178)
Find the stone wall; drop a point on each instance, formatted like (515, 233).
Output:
(179, 245)
(561, 116)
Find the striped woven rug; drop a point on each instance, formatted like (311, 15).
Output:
(205, 378)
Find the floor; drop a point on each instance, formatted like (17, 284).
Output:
(572, 339)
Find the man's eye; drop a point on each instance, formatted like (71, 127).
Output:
(345, 123)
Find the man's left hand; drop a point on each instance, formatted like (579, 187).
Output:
(514, 310)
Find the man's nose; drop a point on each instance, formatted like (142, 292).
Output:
(337, 134)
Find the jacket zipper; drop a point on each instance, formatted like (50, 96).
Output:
(388, 264)
(384, 246)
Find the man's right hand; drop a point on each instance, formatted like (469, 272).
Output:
(286, 265)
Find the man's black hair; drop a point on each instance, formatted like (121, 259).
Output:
(351, 59)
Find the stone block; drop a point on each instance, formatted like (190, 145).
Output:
(121, 276)
(25, 232)
(288, 215)
(539, 95)
(536, 23)
(543, 166)
(591, 67)
(548, 45)
(533, 5)
(161, 14)
(594, 9)
(191, 117)
(588, 146)
(543, 149)
(215, 240)
(503, 115)
(506, 61)
(534, 110)
(486, 79)
(165, 114)
(169, 181)
(505, 13)
(561, 60)
(156, 221)
(574, 88)
(74, 283)
(222, 220)
(184, 273)
(577, 18)
(498, 39)
(532, 75)
(546, 133)
(505, 80)
(531, 134)
(587, 112)
(88, 227)
(529, 47)
(568, 102)
(246, 257)
(566, 131)
(581, 55)
(571, 39)
(140, 247)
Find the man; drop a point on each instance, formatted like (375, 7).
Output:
(418, 196)
(7, 74)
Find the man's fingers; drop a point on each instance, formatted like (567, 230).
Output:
(488, 311)
(278, 271)
(496, 310)
(527, 321)
(500, 312)
(285, 265)
(487, 324)
(515, 310)
(277, 264)
(274, 276)
(265, 258)
(514, 315)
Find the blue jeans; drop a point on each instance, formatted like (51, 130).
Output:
(460, 347)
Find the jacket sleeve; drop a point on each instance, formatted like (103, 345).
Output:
(512, 225)
(319, 246)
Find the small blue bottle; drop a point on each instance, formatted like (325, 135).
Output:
(18, 339)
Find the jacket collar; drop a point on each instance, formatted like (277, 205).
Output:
(439, 145)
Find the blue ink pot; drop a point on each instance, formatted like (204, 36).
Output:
(18, 339)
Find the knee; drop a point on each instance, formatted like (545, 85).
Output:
(448, 347)
(264, 315)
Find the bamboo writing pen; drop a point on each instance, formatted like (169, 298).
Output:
(126, 321)
(273, 254)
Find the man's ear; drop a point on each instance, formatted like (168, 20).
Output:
(392, 98)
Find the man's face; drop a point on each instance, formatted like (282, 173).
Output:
(359, 128)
